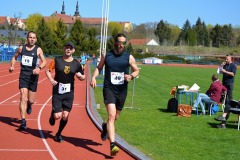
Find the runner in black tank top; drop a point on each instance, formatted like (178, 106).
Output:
(116, 80)
(31, 55)
(29, 61)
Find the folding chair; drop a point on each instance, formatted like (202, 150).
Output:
(236, 111)
(222, 103)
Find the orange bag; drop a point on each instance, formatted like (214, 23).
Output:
(184, 110)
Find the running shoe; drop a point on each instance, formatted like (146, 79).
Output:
(29, 108)
(58, 138)
(221, 126)
(114, 150)
(104, 134)
(220, 118)
(23, 125)
(51, 120)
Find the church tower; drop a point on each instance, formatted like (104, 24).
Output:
(77, 12)
(63, 8)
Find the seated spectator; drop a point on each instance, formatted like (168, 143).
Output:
(213, 94)
(229, 104)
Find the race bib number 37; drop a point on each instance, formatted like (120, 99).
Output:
(117, 78)
(64, 88)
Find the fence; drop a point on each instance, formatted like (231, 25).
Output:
(6, 54)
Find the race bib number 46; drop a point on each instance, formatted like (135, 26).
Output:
(64, 88)
(117, 78)
(27, 61)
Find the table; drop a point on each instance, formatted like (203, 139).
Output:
(188, 94)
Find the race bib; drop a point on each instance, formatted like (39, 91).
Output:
(117, 78)
(64, 88)
(27, 61)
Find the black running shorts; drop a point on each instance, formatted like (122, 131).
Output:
(62, 102)
(29, 82)
(117, 99)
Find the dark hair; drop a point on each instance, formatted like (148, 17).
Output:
(31, 32)
(214, 77)
(119, 35)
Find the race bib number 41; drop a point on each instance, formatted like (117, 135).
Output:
(27, 61)
(64, 88)
(117, 78)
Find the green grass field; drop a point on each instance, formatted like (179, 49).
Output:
(164, 136)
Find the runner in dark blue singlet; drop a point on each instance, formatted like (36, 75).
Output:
(117, 64)
(31, 55)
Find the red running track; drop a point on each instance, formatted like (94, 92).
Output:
(81, 137)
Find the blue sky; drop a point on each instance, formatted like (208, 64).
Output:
(135, 11)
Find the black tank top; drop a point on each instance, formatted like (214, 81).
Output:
(115, 67)
(29, 60)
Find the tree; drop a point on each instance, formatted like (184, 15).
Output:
(114, 26)
(129, 48)
(78, 36)
(202, 33)
(93, 44)
(44, 37)
(139, 31)
(163, 32)
(175, 32)
(33, 21)
(52, 23)
(227, 35)
(205, 35)
(216, 35)
(192, 37)
(60, 34)
(12, 28)
(183, 36)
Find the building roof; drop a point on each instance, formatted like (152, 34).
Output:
(145, 41)
(67, 19)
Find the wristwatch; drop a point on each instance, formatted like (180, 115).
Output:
(132, 77)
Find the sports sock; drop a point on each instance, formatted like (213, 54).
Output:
(112, 144)
(61, 126)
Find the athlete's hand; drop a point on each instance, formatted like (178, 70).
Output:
(11, 69)
(80, 76)
(93, 83)
(127, 77)
(53, 82)
(36, 71)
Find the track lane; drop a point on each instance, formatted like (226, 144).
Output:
(82, 138)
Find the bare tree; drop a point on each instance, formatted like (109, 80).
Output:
(12, 27)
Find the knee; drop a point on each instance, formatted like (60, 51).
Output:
(65, 117)
(57, 115)
(111, 118)
(116, 117)
(23, 98)
(31, 101)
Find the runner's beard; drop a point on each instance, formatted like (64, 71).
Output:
(119, 50)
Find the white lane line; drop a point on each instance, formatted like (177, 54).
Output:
(24, 150)
(18, 93)
(9, 98)
(79, 106)
(41, 133)
(10, 74)
(8, 82)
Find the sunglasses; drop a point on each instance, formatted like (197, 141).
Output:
(121, 43)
